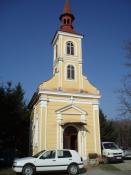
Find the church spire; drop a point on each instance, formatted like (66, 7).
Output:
(67, 19)
(67, 7)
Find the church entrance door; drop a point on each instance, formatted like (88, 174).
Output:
(70, 138)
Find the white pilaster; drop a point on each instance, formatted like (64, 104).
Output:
(95, 111)
(60, 60)
(43, 105)
(59, 131)
(99, 139)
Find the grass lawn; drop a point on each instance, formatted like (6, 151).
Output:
(6, 171)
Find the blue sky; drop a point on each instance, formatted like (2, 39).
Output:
(28, 26)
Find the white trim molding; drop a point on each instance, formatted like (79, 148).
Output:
(72, 100)
(95, 113)
(69, 107)
(65, 34)
(36, 131)
(59, 93)
(43, 105)
(59, 131)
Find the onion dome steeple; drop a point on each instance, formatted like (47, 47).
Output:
(67, 19)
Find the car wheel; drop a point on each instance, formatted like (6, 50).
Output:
(122, 160)
(73, 169)
(28, 170)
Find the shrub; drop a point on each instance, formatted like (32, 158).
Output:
(93, 155)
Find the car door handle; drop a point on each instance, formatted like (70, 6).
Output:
(53, 160)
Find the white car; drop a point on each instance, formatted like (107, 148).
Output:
(111, 152)
(49, 160)
(127, 153)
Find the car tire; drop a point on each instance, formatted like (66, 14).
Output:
(28, 170)
(73, 169)
(122, 160)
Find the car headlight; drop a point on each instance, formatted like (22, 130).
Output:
(16, 163)
(110, 154)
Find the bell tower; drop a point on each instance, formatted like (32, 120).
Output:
(67, 19)
(67, 46)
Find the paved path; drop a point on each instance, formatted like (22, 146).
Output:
(98, 171)
(121, 169)
(124, 166)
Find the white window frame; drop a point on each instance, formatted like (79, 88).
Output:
(70, 45)
(71, 71)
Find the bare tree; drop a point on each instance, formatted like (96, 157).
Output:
(125, 92)
(123, 127)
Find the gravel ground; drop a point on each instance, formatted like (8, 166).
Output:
(98, 171)
(111, 169)
(107, 169)
(126, 166)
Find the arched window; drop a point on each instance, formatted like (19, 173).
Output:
(68, 21)
(70, 72)
(70, 48)
(64, 21)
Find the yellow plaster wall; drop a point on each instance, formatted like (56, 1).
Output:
(69, 86)
(71, 118)
(51, 84)
(51, 126)
(88, 87)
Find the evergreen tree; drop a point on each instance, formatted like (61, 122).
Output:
(14, 119)
(107, 129)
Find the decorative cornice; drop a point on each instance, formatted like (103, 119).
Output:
(65, 34)
(66, 108)
(60, 93)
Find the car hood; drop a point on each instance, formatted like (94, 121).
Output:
(114, 150)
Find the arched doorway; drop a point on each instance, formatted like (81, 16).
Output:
(70, 138)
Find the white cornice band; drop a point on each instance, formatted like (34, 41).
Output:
(66, 34)
(59, 93)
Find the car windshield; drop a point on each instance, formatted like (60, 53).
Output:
(38, 154)
(110, 146)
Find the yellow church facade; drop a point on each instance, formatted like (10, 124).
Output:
(65, 109)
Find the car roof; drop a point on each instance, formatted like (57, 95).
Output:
(107, 142)
(59, 150)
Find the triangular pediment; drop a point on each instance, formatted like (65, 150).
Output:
(71, 109)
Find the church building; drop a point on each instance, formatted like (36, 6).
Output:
(65, 108)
